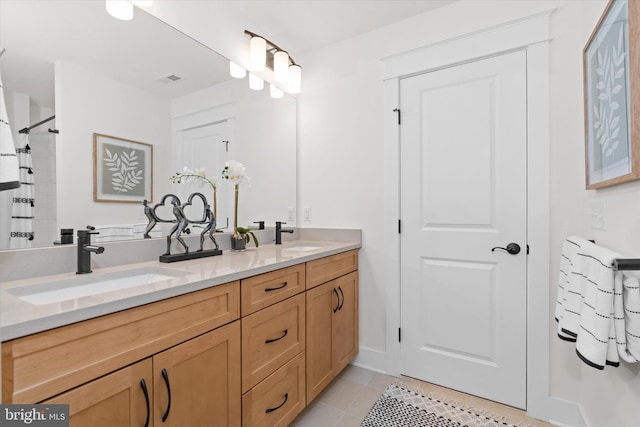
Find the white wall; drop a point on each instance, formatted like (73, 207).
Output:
(87, 103)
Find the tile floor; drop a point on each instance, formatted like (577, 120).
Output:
(348, 399)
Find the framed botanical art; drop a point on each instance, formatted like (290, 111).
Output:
(122, 170)
(611, 79)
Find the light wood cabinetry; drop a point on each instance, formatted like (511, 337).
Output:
(278, 399)
(202, 387)
(270, 338)
(123, 398)
(332, 330)
(252, 352)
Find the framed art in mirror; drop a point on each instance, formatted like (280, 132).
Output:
(611, 94)
(122, 170)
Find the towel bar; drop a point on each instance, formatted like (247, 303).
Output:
(626, 264)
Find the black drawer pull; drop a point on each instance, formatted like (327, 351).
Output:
(338, 297)
(284, 285)
(165, 376)
(143, 385)
(270, 340)
(342, 294)
(286, 397)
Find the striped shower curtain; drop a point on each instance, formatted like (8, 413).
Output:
(22, 209)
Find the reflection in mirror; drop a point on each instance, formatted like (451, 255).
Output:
(139, 80)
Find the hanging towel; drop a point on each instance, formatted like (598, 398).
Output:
(111, 233)
(570, 287)
(626, 306)
(23, 206)
(596, 341)
(9, 172)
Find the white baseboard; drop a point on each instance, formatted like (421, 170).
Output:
(565, 413)
(368, 358)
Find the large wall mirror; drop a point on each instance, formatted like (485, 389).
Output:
(138, 80)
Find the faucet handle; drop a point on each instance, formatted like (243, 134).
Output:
(260, 224)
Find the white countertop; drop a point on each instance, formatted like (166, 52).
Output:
(19, 318)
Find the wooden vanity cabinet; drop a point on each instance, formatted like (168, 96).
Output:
(97, 365)
(332, 323)
(202, 374)
(253, 352)
(117, 399)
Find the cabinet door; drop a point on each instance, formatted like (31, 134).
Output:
(197, 383)
(332, 330)
(117, 399)
(322, 301)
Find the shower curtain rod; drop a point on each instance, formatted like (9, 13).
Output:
(26, 130)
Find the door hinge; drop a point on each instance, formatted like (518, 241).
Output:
(399, 226)
(527, 249)
(399, 334)
(397, 110)
(226, 143)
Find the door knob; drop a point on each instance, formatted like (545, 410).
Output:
(512, 248)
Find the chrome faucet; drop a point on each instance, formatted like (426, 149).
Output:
(84, 251)
(279, 231)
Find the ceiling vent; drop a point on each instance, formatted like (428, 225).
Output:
(169, 79)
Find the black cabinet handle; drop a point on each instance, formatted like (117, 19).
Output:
(338, 298)
(284, 285)
(341, 293)
(143, 385)
(270, 340)
(165, 376)
(286, 397)
(512, 248)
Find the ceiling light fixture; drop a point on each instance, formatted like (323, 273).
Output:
(120, 9)
(263, 54)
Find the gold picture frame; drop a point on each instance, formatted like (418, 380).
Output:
(611, 96)
(122, 170)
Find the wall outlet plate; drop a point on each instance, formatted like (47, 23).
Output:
(291, 216)
(307, 214)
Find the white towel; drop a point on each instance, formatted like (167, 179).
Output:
(570, 286)
(115, 232)
(626, 306)
(596, 341)
(9, 167)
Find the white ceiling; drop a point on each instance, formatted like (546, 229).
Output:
(303, 25)
(37, 32)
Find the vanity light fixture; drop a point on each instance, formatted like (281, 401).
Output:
(123, 9)
(236, 71)
(255, 82)
(263, 54)
(120, 9)
(275, 91)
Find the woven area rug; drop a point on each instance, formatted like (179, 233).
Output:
(398, 406)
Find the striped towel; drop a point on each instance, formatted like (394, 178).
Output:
(626, 305)
(570, 286)
(596, 341)
(114, 232)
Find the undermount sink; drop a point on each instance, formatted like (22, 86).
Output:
(301, 248)
(92, 284)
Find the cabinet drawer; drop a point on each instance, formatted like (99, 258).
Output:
(266, 289)
(42, 365)
(271, 337)
(278, 399)
(322, 270)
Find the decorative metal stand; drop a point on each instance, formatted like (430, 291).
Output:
(182, 222)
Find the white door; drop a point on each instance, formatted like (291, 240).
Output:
(463, 192)
(208, 147)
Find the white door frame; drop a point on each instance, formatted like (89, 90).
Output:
(532, 34)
